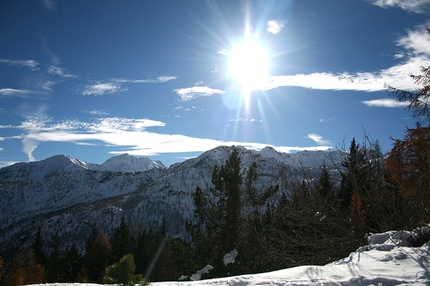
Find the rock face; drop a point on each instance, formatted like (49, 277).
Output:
(67, 196)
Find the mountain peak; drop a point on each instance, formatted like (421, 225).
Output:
(127, 163)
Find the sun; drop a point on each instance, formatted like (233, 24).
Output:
(248, 64)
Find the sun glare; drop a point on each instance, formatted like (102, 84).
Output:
(248, 64)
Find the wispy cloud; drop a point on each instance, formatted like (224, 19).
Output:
(117, 85)
(20, 63)
(275, 26)
(63, 72)
(11, 92)
(385, 102)
(101, 88)
(130, 135)
(96, 112)
(160, 79)
(417, 53)
(318, 139)
(50, 5)
(416, 6)
(196, 91)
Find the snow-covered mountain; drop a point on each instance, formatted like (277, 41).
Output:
(128, 163)
(67, 196)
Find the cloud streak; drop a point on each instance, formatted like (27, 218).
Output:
(385, 102)
(117, 85)
(416, 6)
(318, 139)
(12, 92)
(63, 72)
(99, 88)
(129, 134)
(21, 63)
(190, 93)
(416, 54)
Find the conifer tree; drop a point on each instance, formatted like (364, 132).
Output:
(54, 271)
(219, 224)
(228, 216)
(97, 255)
(72, 264)
(37, 247)
(122, 241)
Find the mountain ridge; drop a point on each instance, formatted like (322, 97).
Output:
(76, 196)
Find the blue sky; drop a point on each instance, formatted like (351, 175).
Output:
(171, 79)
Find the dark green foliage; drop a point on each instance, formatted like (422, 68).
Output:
(54, 271)
(122, 241)
(37, 247)
(228, 218)
(97, 256)
(72, 263)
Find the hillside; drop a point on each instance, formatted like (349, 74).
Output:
(67, 196)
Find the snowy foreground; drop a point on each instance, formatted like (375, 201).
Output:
(387, 260)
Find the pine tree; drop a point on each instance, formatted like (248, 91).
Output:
(97, 255)
(219, 224)
(122, 241)
(72, 264)
(229, 217)
(37, 247)
(54, 271)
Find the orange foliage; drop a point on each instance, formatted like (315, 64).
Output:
(409, 165)
(357, 212)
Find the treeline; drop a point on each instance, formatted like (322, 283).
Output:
(45, 262)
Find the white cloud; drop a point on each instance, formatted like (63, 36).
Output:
(416, 41)
(23, 63)
(318, 139)
(96, 112)
(63, 72)
(116, 85)
(102, 88)
(9, 92)
(124, 133)
(274, 26)
(160, 79)
(385, 102)
(196, 91)
(398, 76)
(417, 6)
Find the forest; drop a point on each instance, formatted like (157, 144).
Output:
(313, 221)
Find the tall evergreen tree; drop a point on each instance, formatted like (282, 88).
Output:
(97, 256)
(37, 247)
(122, 241)
(54, 266)
(228, 215)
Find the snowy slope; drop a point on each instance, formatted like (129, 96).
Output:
(68, 196)
(387, 260)
(128, 163)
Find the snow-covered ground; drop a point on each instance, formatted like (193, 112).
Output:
(386, 260)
